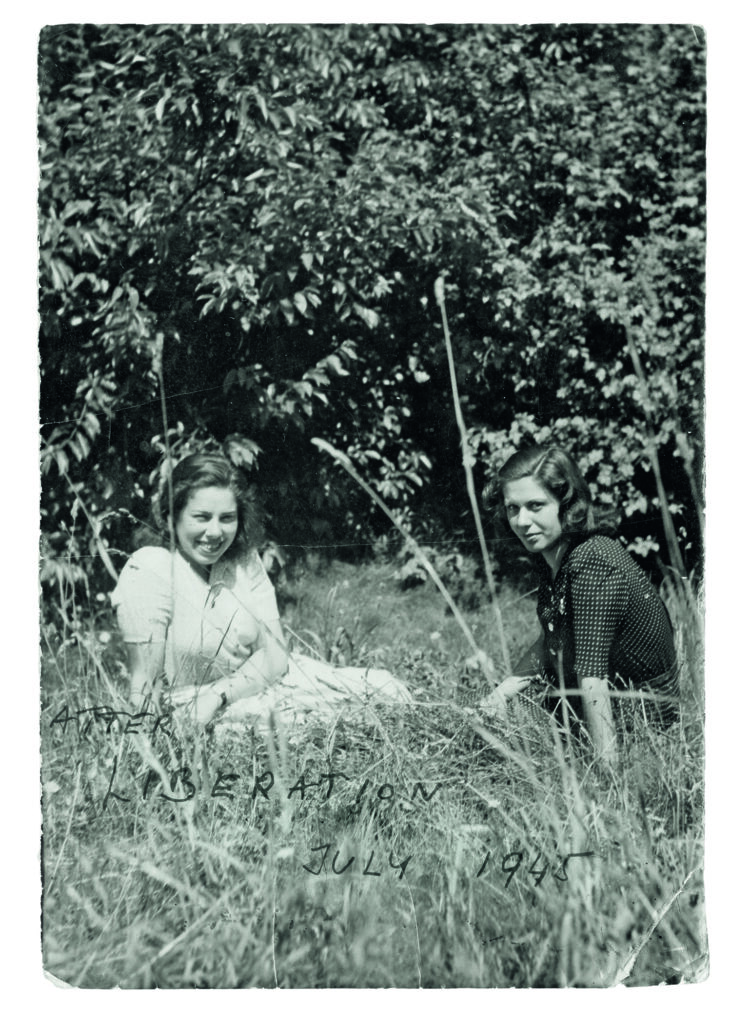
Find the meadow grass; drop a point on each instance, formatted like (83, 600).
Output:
(441, 852)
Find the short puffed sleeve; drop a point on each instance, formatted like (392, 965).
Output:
(143, 596)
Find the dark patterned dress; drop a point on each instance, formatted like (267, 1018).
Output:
(602, 618)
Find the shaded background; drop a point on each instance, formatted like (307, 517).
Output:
(255, 216)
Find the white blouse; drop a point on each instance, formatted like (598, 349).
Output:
(209, 628)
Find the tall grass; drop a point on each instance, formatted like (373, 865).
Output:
(388, 847)
(459, 835)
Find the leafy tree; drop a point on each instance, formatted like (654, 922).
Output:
(253, 217)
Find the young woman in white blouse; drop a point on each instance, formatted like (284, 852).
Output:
(200, 620)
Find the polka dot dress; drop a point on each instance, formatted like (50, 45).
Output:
(602, 618)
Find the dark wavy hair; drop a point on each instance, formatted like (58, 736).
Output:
(203, 470)
(557, 473)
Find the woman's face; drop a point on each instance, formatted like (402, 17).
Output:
(533, 515)
(206, 527)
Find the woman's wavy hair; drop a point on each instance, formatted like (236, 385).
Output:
(557, 473)
(204, 470)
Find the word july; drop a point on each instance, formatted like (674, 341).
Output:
(370, 869)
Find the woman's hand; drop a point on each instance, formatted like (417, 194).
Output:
(247, 682)
(265, 666)
(207, 705)
(216, 698)
(496, 704)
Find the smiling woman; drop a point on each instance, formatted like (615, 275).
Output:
(605, 630)
(200, 618)
(206, 528)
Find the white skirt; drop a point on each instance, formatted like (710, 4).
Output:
(311, 687)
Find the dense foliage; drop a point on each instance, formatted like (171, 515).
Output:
(253, 217)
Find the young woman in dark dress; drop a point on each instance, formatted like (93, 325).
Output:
(604, 627)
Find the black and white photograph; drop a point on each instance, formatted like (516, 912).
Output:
(372, 367)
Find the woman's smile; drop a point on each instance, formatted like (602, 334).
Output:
(210, 547)
(206, 528)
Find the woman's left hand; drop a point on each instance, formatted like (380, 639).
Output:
(496, 703)
(206, 706)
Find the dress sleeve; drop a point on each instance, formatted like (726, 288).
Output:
(599, 595)
(143, 596)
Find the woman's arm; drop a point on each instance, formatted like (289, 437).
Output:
(598, 714)
(267, 664)
(530, 665)
(143, 603)
(268, 660)
(497, 702)
(145, 662)
(599, 599)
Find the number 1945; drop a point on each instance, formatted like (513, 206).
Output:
(539, 867)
